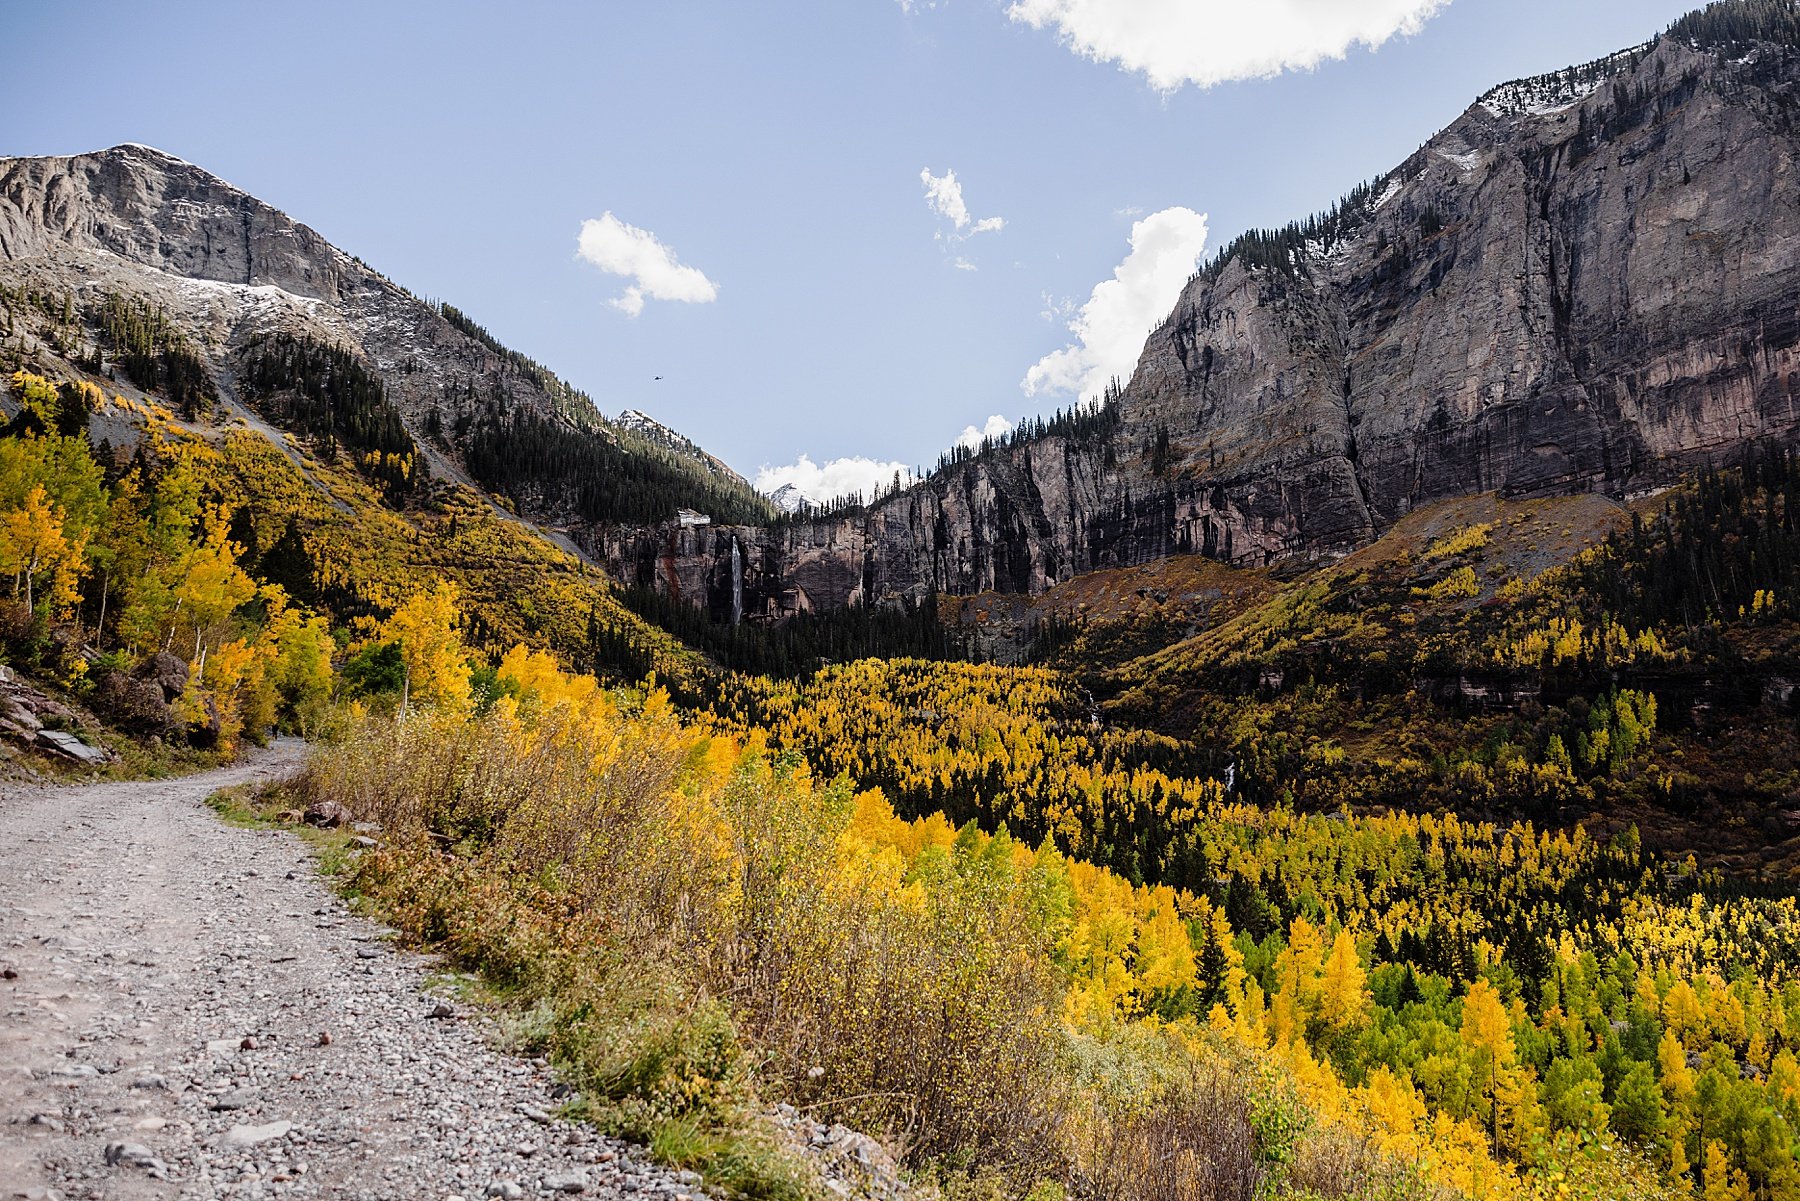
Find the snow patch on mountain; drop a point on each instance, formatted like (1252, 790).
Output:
(1559, 91)
(640, 422)
(789, 499)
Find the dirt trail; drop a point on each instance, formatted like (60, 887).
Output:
(165, 980)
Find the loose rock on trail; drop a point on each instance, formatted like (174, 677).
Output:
(186, 1011)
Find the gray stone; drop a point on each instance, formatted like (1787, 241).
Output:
(250, 1136)
(168, 673)
(241, 1098)
(71, 747)
(565, 1182)
(75, 1071)
(132, 1155)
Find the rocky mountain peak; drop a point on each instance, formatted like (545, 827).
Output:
(148, 207)
(789, 498)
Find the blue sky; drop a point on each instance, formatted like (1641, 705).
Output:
(776, 151)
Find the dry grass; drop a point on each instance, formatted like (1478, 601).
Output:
(1196, 1144)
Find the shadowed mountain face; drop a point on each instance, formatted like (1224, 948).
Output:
(1589, 281)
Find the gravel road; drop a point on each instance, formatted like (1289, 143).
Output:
(190, 1013)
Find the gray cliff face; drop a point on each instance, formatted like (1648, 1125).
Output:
(1016, 520)
(1587, 299)
(1587, 282)
(149, 208)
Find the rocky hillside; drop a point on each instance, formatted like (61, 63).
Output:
(132, 228)
(1590, 281)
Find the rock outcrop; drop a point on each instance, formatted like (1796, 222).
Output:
(34, 720)
(1559, 293)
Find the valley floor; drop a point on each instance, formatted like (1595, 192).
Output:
(168, 981)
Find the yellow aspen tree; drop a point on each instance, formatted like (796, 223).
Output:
(301, 671)
(231, 676)
(1784, 1076)
(45, 565)
(437, 663)
(1679, 1167)
(1487, 1032)
(1523, 1121)
(1252, 1018)
(212, 585)
(1487, 1027)
(1343, 988)
(1683, 1014)
(1165, 952)
(1296, 979)
(1234, 958)
(1715, 1174)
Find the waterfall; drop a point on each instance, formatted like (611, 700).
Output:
(737, 582)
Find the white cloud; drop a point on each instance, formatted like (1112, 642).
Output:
(943, 195)
(1165, 249)
(621, 249)
(825, 482)
(1207, 42)
(995, 427)
(839, 477)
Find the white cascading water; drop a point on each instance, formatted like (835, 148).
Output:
(737, 582)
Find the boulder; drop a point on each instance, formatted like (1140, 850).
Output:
(137, 706)
(132, 1155)
(206, 730)
(167, 672)
(19, 715)
(327, 814)
(71, 747)
(250, 1136)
